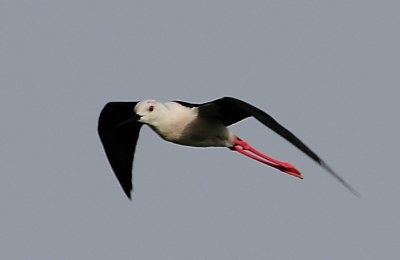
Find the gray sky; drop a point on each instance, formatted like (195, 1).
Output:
(327, 70)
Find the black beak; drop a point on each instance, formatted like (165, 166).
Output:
(133, 119)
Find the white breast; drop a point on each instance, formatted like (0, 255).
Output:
(182, 125)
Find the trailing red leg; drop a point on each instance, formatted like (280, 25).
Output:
(246, 149)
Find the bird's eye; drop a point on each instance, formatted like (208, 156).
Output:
(151, 108)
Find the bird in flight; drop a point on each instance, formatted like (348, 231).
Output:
(198, 125)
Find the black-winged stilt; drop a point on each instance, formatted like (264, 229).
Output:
(199, 125)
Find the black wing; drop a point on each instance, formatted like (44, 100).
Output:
(231, 110)
(119, 140)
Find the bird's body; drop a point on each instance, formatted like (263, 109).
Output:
(183, 125)
(198, 125)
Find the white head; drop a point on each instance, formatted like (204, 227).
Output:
(150, 111)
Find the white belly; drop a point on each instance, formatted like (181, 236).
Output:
(199, 133)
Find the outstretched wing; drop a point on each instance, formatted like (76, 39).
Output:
(119, 139)
(231, 110)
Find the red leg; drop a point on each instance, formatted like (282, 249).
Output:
(246, 149)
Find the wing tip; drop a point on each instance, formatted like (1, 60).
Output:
(128, 193)
(339, 178)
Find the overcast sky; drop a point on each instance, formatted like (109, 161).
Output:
(327, 70)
